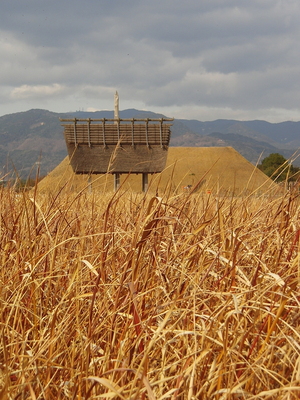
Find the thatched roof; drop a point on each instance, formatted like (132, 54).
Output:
(211, 169)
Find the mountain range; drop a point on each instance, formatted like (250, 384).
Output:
(33, 140)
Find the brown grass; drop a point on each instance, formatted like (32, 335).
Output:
(130, 296)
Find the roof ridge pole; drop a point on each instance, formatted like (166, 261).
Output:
(146, 124)
(116, 111)
(75, 136)
(103, 132)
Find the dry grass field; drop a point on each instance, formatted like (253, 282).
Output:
(136, 296)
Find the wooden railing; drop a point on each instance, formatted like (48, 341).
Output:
(118, 131)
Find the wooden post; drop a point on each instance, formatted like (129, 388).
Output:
(145, 182)
(116, 181)
(90, 184)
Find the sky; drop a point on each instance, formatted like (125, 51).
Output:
(193, 59)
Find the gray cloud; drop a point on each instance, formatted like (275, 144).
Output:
(204, 60)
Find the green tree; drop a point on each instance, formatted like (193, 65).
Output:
(278, 168)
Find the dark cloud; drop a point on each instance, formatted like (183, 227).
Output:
(207, 60)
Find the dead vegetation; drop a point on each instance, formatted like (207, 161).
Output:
(131, 296)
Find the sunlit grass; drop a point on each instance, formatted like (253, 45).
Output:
(133, 296)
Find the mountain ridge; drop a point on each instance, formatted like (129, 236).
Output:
(35, 137)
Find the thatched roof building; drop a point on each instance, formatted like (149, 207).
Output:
(118, 146)
(209, 170)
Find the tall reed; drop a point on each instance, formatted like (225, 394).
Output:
(133, 296)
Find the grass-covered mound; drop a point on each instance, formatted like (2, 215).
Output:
(130, 296)
(205, 169)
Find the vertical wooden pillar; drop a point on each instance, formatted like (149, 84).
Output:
(116, 181)
(145, 182)
(90, 184)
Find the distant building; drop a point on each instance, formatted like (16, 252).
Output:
(118, 146)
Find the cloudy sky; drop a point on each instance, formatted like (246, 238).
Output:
(201, 59)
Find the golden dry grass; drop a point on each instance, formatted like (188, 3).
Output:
(212, 169)
(132, 296)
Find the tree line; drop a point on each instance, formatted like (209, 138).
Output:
(279, 168)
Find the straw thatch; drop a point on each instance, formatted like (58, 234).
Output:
(100, 146)
(210, 169)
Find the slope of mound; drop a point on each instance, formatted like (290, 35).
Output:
(216, 169)
(208, 169)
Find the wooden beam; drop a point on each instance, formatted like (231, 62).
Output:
(144, 182)
(116, 181)
(118, 119)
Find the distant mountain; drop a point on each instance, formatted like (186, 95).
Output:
(253, 150)
(34, 139)
(31, 140)
(284, 134)
(264, 137)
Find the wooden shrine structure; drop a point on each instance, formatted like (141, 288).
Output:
(118, 146)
